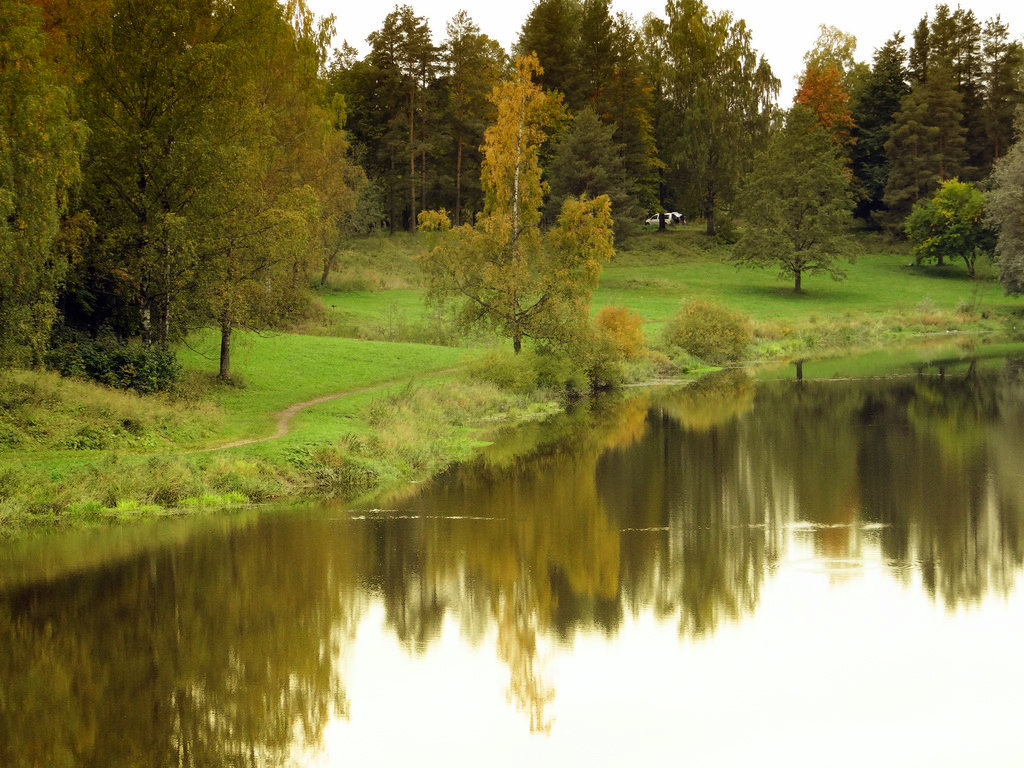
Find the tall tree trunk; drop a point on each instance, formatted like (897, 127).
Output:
(796, 280)
(517, 343)
(225, 349)
(412, 162)
(709, 212)
(392, 182)
(458, 181)
(145, 310)
(423, 180)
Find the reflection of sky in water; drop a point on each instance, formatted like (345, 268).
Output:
(842, 663)
(727, 575)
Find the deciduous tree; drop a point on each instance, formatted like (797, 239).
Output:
(821, 91)
(797, 203)
(39, 164)
(721, 95)
(503, 273)
(1006, 214)
(951, 224)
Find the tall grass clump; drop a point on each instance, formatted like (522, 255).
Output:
(709, 332)
(43, 411)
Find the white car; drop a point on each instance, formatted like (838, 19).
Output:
(671, 217)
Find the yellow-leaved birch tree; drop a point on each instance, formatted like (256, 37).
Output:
(503, 273)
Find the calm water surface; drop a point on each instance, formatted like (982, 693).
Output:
(730, 573)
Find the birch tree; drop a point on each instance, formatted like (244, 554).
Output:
(503, 273)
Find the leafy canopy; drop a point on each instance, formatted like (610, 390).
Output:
(951, 224)
(1006, 214)
(503, 272)
(797, 203)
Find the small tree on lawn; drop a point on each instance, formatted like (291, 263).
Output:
(502, 272)
(797, 203)
(951, 224)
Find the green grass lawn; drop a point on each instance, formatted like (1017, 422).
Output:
(276, 370)
(653, 273)
(659, 271)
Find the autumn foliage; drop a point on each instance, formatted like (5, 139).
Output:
(821, 90)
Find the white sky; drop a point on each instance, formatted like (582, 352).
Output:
(782, 31)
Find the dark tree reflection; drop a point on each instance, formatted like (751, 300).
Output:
(224, 649)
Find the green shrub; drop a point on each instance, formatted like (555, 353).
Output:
(117, 364)
(507, 370)
(709, 331)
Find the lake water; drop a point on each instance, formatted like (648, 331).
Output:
(734, 572)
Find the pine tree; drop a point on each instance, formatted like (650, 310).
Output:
(473, 64)
(874, 105)
(926, 145)
(1003, 89)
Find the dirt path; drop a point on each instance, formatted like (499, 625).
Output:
(285, 416)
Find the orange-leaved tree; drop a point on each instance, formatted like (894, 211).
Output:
(822, 91)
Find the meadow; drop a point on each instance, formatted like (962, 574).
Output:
(403, 400)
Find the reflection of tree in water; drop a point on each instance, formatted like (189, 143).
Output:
(805, 441)
(217, 651)
(966, 540)
(208, 656)
(542, 549)
(517, 646)
(690, 476)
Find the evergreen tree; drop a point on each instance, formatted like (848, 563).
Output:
(797, 203)
(551, 31)
(1003, 89)
(596, 54)
(627, 103)
(588, 161)
(403, 59)
(473, 64)
(874, 104)
(926, 145)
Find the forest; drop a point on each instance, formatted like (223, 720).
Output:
(170, 166)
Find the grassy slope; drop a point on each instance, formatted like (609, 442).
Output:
(104, 451)
(278, 370)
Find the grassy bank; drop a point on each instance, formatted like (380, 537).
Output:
(399, 409)
(74, 453)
